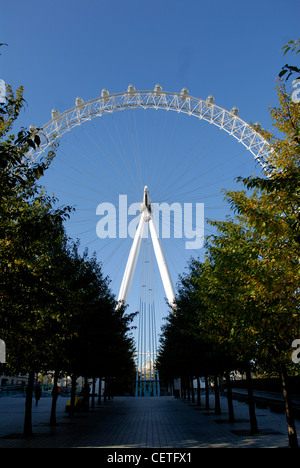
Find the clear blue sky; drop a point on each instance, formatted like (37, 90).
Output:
(229, 48)
(59, 50)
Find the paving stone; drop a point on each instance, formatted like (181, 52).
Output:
(145, 422)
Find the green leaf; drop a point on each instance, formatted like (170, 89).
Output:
(283, 72)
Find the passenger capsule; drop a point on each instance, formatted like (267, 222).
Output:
(158, 90)
(105, 94)
(257, 125)
(184, 94)
(55, 114)
(235, 111)
(32, 129)
(131, 90)
(79, 102)
(210, 99)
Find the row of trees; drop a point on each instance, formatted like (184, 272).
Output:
(57, 311)
(239, 309)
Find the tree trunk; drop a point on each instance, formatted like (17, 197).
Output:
(86, 394)
(193, 390)
(99, 391)
(93, 393)
(229, 397)
(73, 392)
(251, 404)
(54, 400)
(183, 389)
(206, 393)
(27, 432)
(198, 392)
(188, 386)
(292, 434)
(105, 391)
(217, 396)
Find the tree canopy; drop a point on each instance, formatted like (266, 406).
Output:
(57, 310)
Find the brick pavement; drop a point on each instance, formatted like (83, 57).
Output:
(140, 423)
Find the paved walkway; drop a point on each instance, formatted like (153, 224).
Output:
(140, 423)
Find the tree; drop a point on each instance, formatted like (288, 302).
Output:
(91, 338)
(30, 232)
(271, 213)
(188, 347)
(249, 284)
(263, 263)
(231, 309)
(57, 311)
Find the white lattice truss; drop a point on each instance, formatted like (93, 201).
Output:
(157, 99)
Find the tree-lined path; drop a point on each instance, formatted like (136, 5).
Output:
(127, 422)
(235, 310)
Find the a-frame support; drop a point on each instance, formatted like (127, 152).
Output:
(146, 217)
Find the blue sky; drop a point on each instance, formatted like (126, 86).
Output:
(59, 50)
(229, 48)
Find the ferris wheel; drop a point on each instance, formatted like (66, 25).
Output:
(142, 184)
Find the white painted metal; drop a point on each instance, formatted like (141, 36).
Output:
(157, 99)
(131, 262)
(146, 217)
(162, 264)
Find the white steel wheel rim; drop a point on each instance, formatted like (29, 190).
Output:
(107, 104)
